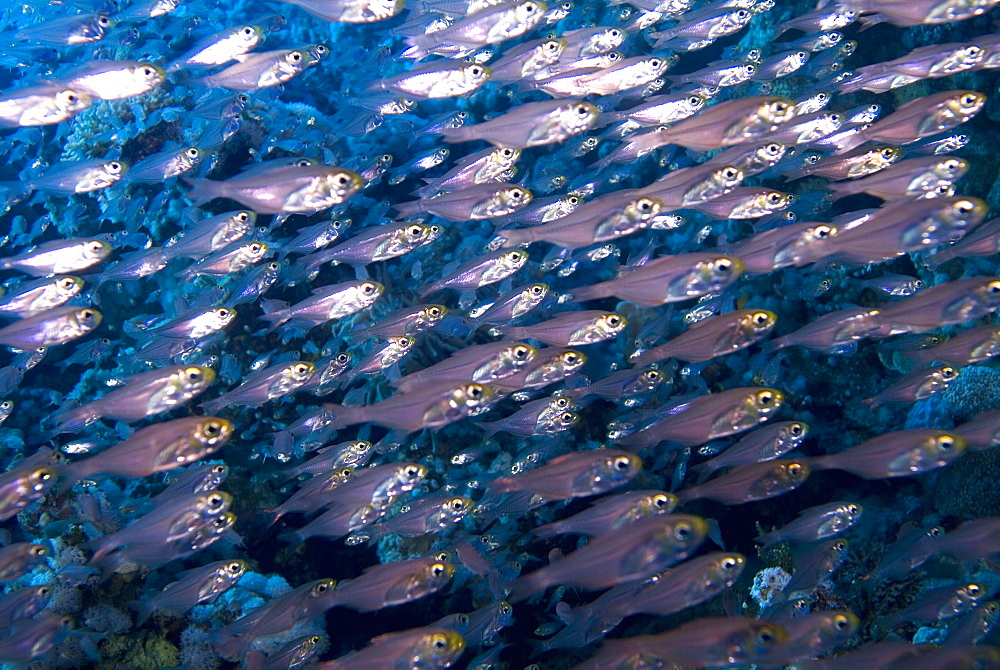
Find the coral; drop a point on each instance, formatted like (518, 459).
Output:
(107, 619)
(140, 650)
(967, 488)
(196, 650)
(766, 583)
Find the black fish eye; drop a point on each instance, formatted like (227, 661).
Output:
(760, 318)
(234, 567)
(723, 266)
(243, 217)
(682, 531)
(193, 374)
(415, 230)
(853, 509)
(434, 311)
(219, 469)
(945, 443)
(774, 149)
(440, 644)
(729, 563)
(774, 198)
(343, 358)
(87, 314)
(412, 471)
(103, 21)
(295, 56)
(437, 570)
(570, 358)
(38, 551)
(248, 31)
(730, 173)
(222, 313)
(622, 463)
(614, 321)
(475, 391)
(582, 110)
(302, 368)
(521, 352)
(794, 469)
(192, 152)
(796, 429)
(322, 587)
(969, 99)
(457, 504)
(567, 418)
(765, 637)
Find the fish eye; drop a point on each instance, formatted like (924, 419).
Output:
(302, 368)
(795, 469)
(723, 266)
(214, 500)
(567, 418)
(730, 173)
(622, 463)
(973, 589)
(437, 569)
(652, 375)
(344, 358)
(645, 205)
(949, 372)
(440, 643)
(582, 110)
(888, 153)
(750, 69)
(774, 148)
(765, 637)
(516, 193)
(6, 404)
(38, 550)
(802, 56)
(247, 31)
(951, 165)
(219, 469)
(43, 591)
(695, 100)
(970, 99)
(243, 217)
(103, 21)
(521, 352)
(761, 318)
(114, 167)
(320, 50)
(570, 357)
(614, 32)
(853, 509)
(66, 283)
(655, 62)
(295, 56)
(475, 70)
(682, 531)
(965, 206)
(536, 290)
(476, 391)
(411, 471)
(660, 500)
(552, 45)
(434, 311)
(222, 312)
(148, 71)
(255, 248)
(87, 313)
(193, 374)
(945, 443)
(774, 197)
(322, 587)
(368, 288)
(729, 563)
(795, 429)
(458, 504)
(235, 567)
(415, 230)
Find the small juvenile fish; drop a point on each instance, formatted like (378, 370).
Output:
(326, 304)
(261, 386)
(920, 118)
(307, 189)
(480, 271)
(574, 475)
(393, 584)
(729, 123)
(198, 586)
(433, 406)
(611, 513)
(427, 647)
(982, 241)
(914, 176)
(58, 257)
(437, 79)
(832, 330)
(545, 416)
(764, 444)
(483, 363)
(631, 553)
(898, 454)
(608, 218)
(155, 448)
(39, 295)
(140, 396)
(154, 168)
(478, 201)
(915, 386)
(112, 79)
(747, 483)
(380, 358)
(667, 279)
(431, 514)
(212, 234)
(572, 328)
(350, 11)
(710, 417)
(530, 125)
(84, 176)
(946, 304)
(226, 261)
(405, 322)
(489, 25)
(23, 485)
(219, 48)
(51, 327)
(511, 305)
(23, 603)
(68, 30)
(972, 346)
(41, 105)
(259, 69)
(815, 523)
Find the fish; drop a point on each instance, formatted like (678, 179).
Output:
(897, 454)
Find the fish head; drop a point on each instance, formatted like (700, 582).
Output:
(440, 649)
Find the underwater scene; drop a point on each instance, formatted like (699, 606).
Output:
(520, 334)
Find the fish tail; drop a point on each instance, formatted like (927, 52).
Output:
(202, 190)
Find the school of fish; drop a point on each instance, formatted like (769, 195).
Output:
(417, 334)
